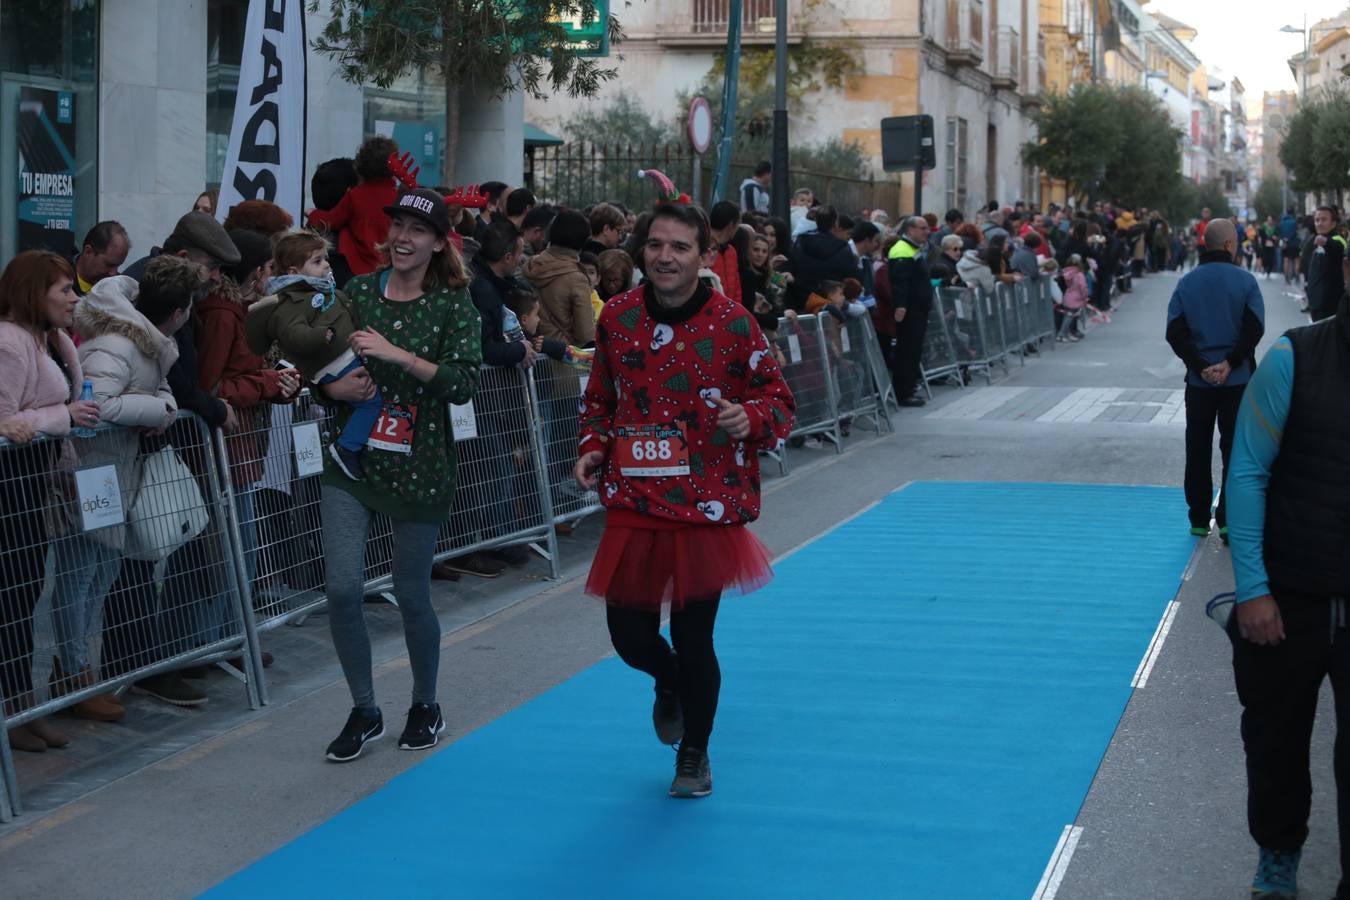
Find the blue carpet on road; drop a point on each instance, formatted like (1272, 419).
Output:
(914, 708)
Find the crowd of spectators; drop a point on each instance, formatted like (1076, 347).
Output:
(169, 333)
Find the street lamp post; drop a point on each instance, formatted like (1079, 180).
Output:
(1303, 77)
(1307, 51)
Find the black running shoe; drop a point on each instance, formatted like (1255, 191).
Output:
(359, 731)
(693, 774)
(667, 716)
(349, 461)
(424, 724)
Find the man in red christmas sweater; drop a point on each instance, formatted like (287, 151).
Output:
(683, 391)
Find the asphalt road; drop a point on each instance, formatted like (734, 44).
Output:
(172, 802)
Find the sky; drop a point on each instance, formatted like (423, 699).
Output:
(1243, 37)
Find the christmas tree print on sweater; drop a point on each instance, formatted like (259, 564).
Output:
(656, 366)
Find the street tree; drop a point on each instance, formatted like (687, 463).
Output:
(1108, 141)
(1316, 145)
(1269, 199)
(492, 47)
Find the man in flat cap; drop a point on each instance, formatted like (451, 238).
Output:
(197, 237)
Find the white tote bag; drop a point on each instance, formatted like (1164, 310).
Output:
(168, 510)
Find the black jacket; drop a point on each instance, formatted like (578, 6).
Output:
(911, 285)
(1325, 282)
(1307, 532)
(489, 291)
(818, 257)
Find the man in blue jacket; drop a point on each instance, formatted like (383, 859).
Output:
(1214, 322)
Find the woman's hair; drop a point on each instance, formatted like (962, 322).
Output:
(213, 195)
(763, 239)
(255, 250)
(968, 230)
(953, 242)
(1075, 260)
(616, 265)
(782, 237)
(445, 270)
(993, 254)
(262, 216)
(24, 285)
(293, 248)
(168, 284)
(372, 160)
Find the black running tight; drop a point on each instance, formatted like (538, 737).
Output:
(637, 637)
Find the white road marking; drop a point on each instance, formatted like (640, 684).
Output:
(1058, 866)
(1155, 646)
(978, 404)
(1083, 405)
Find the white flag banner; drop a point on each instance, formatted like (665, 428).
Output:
(266, 158)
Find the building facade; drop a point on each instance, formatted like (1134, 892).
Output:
(140, 96)
(1327, 57)
(974, 65)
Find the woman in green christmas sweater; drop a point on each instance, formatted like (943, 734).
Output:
(419, 337)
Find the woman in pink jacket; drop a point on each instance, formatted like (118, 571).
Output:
(40, 382)
(1075, 299)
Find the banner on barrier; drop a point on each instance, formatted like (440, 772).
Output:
(308, 449)
(463, 421)
(100, 497)
(794, 348)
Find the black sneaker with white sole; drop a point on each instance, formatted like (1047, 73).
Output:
(693, 774)
(349, 461)
(424, 724)
(361, 729)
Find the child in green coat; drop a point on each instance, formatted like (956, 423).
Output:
(311, 322)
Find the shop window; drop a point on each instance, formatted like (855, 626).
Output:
(225, 23)
(48, 124)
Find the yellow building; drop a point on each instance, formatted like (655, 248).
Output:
(1071, 31)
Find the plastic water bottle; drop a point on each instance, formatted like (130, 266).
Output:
(511, 326)
(86, 394)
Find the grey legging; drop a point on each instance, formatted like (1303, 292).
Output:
(345, 524)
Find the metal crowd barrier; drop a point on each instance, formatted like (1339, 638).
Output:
(859, 395)
(939, 361)
(118, 565)
(976, 331)
(107, 584)
(557, 390)
(274, 460)
(804, 358)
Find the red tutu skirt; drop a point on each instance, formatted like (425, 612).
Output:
(645, 562)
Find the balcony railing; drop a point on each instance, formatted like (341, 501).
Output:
(965, 31)
(706, 22)
(1007, 57)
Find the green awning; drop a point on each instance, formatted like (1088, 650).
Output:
(537, 137)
